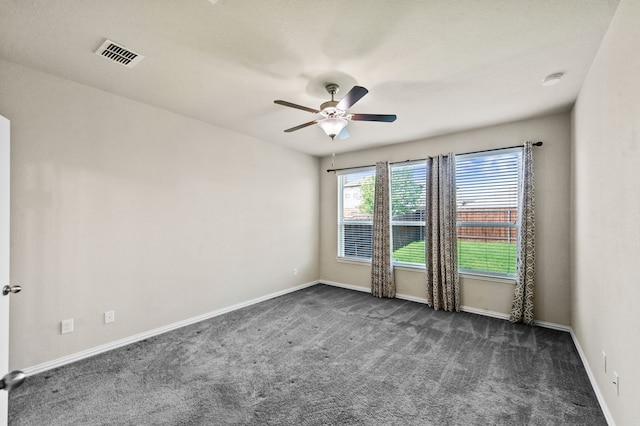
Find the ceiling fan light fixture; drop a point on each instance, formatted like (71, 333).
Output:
(332, 126)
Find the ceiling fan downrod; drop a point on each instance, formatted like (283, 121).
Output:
(332, 88)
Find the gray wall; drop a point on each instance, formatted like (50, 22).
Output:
(606, 214)
(117, 205)
(552, 162)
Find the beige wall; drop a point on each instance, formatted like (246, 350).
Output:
(117, 205)
(552, 162)
(606, 214)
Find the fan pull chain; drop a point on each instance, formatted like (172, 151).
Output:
(333, 158)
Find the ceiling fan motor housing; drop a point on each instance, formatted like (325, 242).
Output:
(328, 104)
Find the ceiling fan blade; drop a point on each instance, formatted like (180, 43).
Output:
(354, 95)
(302, 126)
(343, 134)
(387, 118)
(289, 104)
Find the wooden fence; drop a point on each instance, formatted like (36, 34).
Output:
(484, 233)
(357, 238)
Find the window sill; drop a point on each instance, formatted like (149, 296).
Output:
(492, 278)
(356, 261)
(413, 268)
(479, 277)
(353, 261)
(421, 268)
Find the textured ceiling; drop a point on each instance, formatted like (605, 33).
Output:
(440, 65)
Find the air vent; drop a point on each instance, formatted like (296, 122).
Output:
(118, 53)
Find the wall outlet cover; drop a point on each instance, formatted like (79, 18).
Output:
(66, 326)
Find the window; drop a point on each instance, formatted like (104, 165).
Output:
(355, 218)
(355, 213)
(407, 212)
(487, 203)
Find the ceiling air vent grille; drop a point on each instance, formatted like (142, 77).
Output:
(118, 53)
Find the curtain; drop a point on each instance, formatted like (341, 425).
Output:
(522, 309)
(382, 282)
(441, 239)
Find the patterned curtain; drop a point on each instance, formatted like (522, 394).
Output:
(382, 283)
(441, 240)
(522, 309)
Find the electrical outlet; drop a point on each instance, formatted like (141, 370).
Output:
(109, 316)
(604, 361)
(295, 271)
(66, 326)
(616, 382)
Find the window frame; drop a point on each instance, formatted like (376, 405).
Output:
(340, 219)
(515, 225)
(412, 223)
(487, 224)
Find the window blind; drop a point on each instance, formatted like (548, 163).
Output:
(355, 213)
(487, 202)
(408, 182)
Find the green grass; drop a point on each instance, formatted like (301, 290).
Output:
(472, 255)
(411, 253)
(492, 256)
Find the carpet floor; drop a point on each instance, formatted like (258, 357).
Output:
(323, 356)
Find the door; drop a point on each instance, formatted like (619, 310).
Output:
(8, 380)
(4, 260)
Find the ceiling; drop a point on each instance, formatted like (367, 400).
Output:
(441, 65)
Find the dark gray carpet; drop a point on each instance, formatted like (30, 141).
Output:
(324, 356)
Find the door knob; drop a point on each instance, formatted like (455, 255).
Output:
(11, 289)
(12, 380)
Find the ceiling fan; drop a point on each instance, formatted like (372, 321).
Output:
(334, 115)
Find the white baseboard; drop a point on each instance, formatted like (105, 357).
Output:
(592, 379)
(49, 365)
(469, 309)
(553, 325)
(347, 286)
(368, 290)
(151, 333)
(485, 312)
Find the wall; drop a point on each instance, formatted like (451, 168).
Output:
(117, 205)
(552, 162)
(606, 209)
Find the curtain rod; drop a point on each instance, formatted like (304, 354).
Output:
(539, 143)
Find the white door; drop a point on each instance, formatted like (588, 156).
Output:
(7, 380)
(4, 261)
